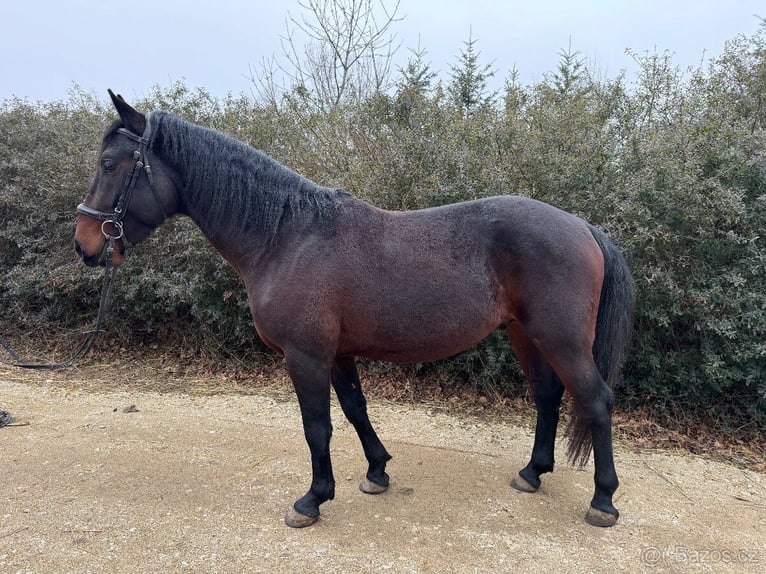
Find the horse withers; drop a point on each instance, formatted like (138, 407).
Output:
(330, 277)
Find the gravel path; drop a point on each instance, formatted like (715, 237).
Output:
(201, 484)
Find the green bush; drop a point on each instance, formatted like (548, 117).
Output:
(671, 164)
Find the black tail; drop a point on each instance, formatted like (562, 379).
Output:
(613, 328)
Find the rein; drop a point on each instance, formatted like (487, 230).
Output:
(90, 336)
(114, 219)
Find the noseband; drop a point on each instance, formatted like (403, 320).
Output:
(140, 162)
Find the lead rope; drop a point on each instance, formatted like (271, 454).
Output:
(90, 336)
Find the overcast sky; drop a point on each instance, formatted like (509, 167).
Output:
(50, 45)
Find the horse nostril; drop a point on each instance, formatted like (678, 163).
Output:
(78, 248)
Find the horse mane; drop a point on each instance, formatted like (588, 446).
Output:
(232, 187)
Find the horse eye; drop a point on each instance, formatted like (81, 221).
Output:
(108, 164)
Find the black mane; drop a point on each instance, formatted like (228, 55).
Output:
(232, 187)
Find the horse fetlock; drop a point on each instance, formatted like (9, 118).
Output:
(323, 493)
(308, 504)
(531, 474)
(539, 467)
(377, 473)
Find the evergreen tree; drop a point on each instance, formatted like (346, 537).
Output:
(468, 88)
(414, 84)
(570, 70)
(417, 75)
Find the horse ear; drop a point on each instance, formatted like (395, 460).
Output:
(134, 120)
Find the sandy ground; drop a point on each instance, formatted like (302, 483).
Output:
(201, 484)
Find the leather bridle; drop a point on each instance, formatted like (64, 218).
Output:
(140, 162)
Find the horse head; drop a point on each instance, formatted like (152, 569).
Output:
(131, 194)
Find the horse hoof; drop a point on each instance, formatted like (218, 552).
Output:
(295, 519)
(369, 487)
(596, 517)
(519, 483)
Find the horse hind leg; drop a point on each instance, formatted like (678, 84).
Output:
(591, 429)
(345, 380)
(549, 362)
(547, 390)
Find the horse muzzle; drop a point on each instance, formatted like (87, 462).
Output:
(89, 260)
(101, 257)
(92, 245)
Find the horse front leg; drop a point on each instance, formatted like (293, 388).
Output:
(311, 379)
(345, 380)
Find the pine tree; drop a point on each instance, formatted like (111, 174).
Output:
(468, 88)
(417, 75)
(414, 85)
(570, 70)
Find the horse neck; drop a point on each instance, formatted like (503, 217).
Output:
(238, 196)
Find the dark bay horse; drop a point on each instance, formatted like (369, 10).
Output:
(330, 277)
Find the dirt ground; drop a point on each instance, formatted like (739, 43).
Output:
(188, 482)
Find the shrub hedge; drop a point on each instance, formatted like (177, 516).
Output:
(672, 164)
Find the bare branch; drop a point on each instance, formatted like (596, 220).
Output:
(345, 53)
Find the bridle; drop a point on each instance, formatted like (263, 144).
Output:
(114, 218)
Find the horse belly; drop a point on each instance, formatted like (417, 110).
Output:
(423, 349)
(423, 320)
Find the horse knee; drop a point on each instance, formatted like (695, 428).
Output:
(318, 436)
(355, 410)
